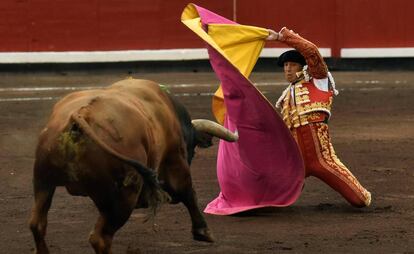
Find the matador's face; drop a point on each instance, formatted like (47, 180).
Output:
(291, 68)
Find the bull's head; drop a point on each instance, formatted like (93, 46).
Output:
(204, 131)
(213, 129)
(199, 132)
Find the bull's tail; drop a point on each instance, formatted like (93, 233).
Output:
(156, 196)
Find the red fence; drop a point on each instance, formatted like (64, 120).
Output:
(100, 25)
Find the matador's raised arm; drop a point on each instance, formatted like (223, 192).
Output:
(316, 65)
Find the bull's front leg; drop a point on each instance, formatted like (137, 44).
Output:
(200, 230)
(177, 182)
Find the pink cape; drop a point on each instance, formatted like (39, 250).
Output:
(264, 167)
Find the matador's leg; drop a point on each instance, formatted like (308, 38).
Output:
(322, 162)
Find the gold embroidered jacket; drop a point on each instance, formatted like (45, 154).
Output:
(303, 102)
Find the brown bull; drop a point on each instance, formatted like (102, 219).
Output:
(125, 147)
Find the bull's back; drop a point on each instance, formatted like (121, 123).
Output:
(133, 117)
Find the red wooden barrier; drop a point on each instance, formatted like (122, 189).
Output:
(100, 25)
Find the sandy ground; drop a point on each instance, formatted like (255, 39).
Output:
(373, 133)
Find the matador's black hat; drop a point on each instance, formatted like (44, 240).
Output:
(291, 56)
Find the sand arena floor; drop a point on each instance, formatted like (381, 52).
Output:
(373, 133)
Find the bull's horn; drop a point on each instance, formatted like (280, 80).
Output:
(215, 129)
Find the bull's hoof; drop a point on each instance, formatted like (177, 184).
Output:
(203, 234)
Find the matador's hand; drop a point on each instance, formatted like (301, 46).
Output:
(273, 36)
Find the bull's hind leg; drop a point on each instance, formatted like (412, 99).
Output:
(114, 210)
(43, 195)
(177, 182)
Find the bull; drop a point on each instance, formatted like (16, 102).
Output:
(126, 146)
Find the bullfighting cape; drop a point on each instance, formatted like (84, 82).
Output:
(264, 167)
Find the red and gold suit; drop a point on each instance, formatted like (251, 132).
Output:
(305, 110)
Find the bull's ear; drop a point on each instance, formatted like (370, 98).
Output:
(203, 139)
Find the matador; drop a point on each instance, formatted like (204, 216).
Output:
(306, 108)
